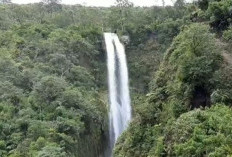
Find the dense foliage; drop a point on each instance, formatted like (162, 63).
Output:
(53, 100)
(184, 113)
(50, 99)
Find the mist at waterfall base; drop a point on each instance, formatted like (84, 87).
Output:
(119, 98)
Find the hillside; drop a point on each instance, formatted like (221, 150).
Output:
(187, 109)
(53, 79)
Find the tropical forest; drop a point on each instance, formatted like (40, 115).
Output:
(118, 81)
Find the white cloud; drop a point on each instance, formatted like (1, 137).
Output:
(104, 3)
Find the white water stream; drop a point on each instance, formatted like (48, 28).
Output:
(119, 97)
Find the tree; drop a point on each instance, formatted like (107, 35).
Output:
(53, 5)
(60, 64)
(73, 98)
(179, 3)
(227, 34)
(124, 6)
(203, 4)
(5, 1)
(201, 133)
(51, 1)
(124, 3)
(80, 77)
(54, 151)
(220, 13)
(8, 92)
(49, 89)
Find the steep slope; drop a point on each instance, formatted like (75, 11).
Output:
(192, 75)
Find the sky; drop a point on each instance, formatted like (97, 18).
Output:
(102, 3)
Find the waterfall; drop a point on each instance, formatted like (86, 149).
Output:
(119, 98)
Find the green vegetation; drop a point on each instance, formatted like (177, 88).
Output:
(185, 111)
(53, 100)
(50, 101)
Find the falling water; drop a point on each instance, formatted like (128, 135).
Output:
(120, 109)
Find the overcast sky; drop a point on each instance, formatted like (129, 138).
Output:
(104, 3)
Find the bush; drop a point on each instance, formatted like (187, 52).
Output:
(201, 133)
(53, 151)
(49, 89)
(220, 14)
(227, 35)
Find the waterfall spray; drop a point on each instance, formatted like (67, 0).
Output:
(119, 98)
